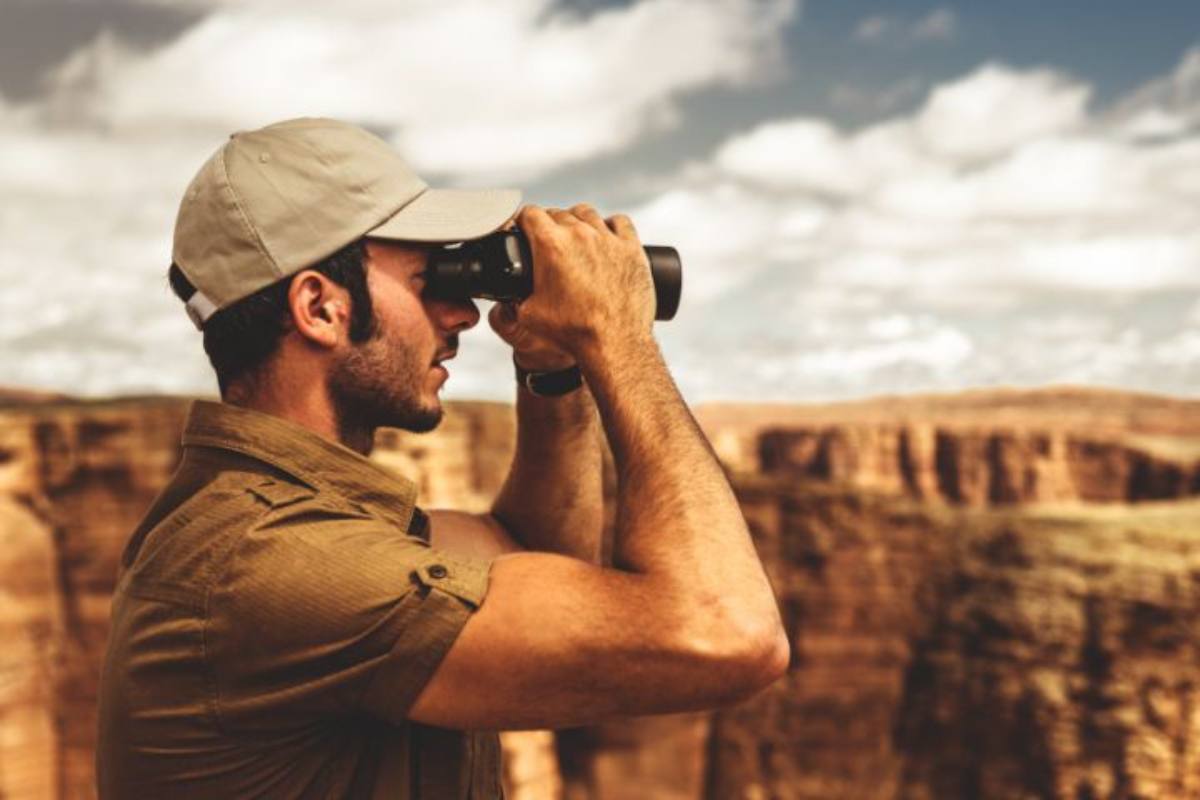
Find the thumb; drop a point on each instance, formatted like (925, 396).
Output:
(503, 319)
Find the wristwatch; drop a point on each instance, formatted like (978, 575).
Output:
(550, 384)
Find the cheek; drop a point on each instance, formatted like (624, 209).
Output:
(411, 324)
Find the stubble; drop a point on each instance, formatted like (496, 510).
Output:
(379, 383)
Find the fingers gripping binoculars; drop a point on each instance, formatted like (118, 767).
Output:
(499, 267)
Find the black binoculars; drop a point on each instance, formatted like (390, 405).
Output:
(499, 266)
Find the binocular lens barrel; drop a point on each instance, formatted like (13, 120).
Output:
(667, 271)
(500, 267)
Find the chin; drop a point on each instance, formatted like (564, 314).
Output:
(425, 420)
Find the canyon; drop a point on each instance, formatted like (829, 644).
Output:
(993, 594)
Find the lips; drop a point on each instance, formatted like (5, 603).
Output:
(445, 355)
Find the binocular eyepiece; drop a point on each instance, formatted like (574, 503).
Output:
(499, 266)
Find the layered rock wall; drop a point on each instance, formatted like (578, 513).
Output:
(31, 630)
(1060, 658)
(979, 606)
(74, 481)
(981, 654)
(980, 467)
(852, 576)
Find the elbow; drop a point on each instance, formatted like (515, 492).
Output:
(723, 650)
(751, 657)
(766, 660)
(781, 655)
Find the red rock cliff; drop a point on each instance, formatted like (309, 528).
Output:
(981, 467)
(991, 595)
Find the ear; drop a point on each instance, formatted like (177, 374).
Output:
(320, 308)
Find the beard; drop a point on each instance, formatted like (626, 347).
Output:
(379, 383)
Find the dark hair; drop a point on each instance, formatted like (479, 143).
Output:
(240, 338)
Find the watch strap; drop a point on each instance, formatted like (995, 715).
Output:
(550, 384)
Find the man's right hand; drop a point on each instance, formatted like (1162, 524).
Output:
(592, 282)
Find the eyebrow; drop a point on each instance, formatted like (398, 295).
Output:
(423, 264)
(419, 265)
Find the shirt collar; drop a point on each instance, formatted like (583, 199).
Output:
(308, 457)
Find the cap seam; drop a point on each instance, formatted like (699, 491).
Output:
(387, 218)
(259, 244)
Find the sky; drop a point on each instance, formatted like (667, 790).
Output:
(868, 198)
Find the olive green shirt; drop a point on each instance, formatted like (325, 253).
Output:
(276, 614)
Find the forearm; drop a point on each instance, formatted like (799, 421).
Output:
(678, 520)
(553, 498)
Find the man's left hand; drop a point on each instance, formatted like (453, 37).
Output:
(531, 352)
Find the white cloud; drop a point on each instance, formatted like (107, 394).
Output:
(1065, 327)
(1003, 231)
(724, 234)
(892, 326)
(995, 109)
(801, 153)
(1181, 350)
(940, 24)
(91, 174)
(958, 197)
(1168, 106)
(888, 98)
(1193, 316)
(1002, 195)
(472, 87)
(940, 349)
(1125, 262)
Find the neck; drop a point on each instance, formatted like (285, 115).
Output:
(305, 403)
(358, 438)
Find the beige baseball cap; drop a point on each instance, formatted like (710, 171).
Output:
(273, 201)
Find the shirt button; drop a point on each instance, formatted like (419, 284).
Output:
(438, 571)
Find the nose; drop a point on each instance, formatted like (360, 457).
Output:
(453, 315)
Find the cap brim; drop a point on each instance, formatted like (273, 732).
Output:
(450, 215)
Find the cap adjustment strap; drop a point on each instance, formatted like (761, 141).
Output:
(199, 309)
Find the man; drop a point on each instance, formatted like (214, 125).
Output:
(288, 624)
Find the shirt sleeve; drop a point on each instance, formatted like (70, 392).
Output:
(321, 613)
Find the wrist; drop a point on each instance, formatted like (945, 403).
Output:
(615, 348)
(543, 363)
(622, 366)
(549, 383)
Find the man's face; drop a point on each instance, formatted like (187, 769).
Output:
(393, 378)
